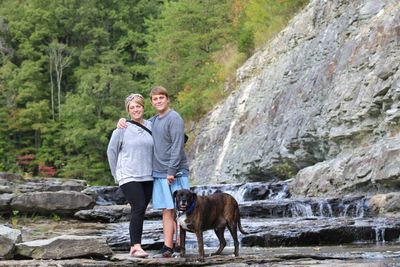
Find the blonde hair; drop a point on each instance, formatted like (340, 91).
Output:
(136, 98)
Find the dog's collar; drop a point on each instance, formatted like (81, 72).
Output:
(190, 209)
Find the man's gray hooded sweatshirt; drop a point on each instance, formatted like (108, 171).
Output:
(169, 140)
(130, 153)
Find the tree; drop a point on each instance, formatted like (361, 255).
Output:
(183, 41)
(60, 59)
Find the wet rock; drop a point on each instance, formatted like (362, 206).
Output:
(246, 191)
(352, 206)
(113, 213)
(322, 231)
(61, 202)
(107, 214)
(106, 195)
(8, 238)
(65, 246)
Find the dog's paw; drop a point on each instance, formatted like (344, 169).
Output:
(200, 259)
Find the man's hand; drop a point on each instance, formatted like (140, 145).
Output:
(170, 179)
(122, 123)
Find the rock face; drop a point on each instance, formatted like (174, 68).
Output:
(326, 87)
(365, 170)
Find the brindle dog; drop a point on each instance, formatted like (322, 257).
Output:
(199, 213)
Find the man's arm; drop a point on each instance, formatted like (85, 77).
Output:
(122, 123)
(177, 133)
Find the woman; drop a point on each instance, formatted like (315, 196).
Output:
(130, 153)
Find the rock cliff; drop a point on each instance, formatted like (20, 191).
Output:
(318, 104)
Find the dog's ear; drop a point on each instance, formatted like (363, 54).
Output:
(194, 196)
(174, 194)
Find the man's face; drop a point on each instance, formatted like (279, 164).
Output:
(160, 103)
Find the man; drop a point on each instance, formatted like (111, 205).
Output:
(170, 164)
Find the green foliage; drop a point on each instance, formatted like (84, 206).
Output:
(265, 18)
(55, 217)
(182, 43)
(246, 42)
(64, 81)
(67, 66)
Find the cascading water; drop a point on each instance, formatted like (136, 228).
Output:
(274, 219)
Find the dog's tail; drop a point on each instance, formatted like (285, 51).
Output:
(240, 228)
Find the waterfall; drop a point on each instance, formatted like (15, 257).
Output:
(325, 209)
(301, 209)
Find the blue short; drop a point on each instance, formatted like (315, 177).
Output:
(162, 191)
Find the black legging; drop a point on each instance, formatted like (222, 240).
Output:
(138, 195)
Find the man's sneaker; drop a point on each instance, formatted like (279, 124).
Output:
(165, 252)
(176, 250)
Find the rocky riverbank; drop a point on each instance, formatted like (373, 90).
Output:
(42, 225)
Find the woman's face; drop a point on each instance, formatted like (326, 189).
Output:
(135, 111)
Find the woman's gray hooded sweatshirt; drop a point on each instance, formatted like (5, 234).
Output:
(130, 153)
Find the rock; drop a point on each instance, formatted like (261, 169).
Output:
(8, 238)
(323, 86)
(6, 177)
(106, 195)
(5, 189)
(51, 184)
(368, 170)
(5, 200)
(66, 246)
(62, 202)
(323, 231)
(385, 203)
(112, 213)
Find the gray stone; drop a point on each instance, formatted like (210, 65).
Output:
(8, 238)
(66, 246)
(370, 170)
(327, 85)
(385, 203)
(5, 200)
(61, 202)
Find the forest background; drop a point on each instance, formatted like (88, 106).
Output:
(66, 67)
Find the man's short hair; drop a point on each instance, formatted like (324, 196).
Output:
(158, 90)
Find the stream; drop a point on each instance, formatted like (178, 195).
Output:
(334, 228)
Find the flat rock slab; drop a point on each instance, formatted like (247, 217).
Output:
(66, 246)
(61, 202)
(343, 256)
